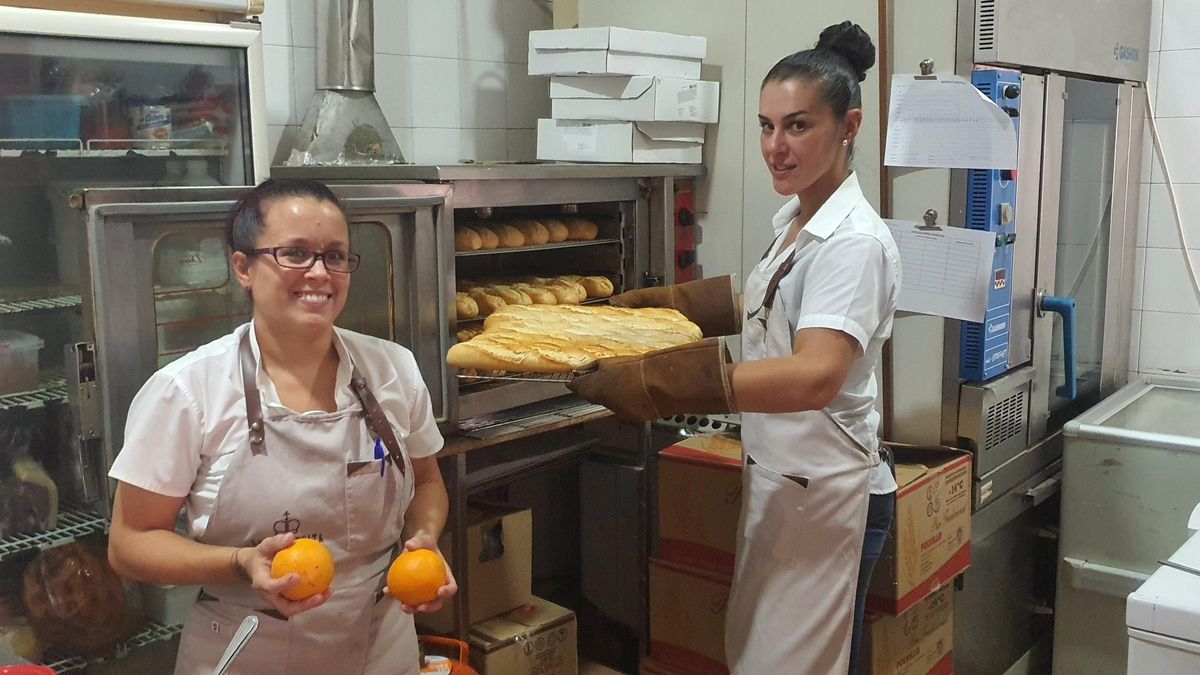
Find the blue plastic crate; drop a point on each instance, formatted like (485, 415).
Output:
(44, 116)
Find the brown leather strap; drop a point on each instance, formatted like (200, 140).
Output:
(254, 415)
(376, 420)
(773, 287)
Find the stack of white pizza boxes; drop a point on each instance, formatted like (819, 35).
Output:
(622, 95)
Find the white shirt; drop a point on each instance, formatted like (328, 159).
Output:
(189, 417)
(846, 277)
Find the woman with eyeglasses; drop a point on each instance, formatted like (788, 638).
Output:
(817, 501)
(288, 427)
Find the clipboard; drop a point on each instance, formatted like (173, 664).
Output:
(943, 121)
(944, 271)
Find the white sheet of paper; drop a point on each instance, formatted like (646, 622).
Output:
(945, 272)
(945, 122)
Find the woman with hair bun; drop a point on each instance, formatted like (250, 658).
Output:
(818, 308)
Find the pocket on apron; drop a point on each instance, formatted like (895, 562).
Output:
(775, 513)
(371, 502)
(208, 630)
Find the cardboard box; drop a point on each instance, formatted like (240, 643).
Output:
(500, 576)
(641, 98)
(604, 141)
(648, 666)
(687, 618)
(917, 642)
(615, 51)
(699, 502)
(930, 541)
(535, 639)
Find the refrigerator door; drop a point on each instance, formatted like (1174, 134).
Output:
(98, 86)
(174, 290)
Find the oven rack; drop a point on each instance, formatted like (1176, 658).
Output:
(574, 243)
(561, 378)
(152, 631)
(526, 417)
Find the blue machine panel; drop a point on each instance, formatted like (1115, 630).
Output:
(991, 206)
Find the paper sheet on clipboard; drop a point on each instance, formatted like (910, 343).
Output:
(943, 121)
(945, 271)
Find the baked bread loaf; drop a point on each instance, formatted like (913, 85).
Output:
(488, 238)
(578, 293)
(535, 233)
(562, 338)
(556, 229)
(466, 239)
(487, 302)
(581, 229)
(465, 306)
(509, 236)
(511, 295)
(596, 287)
(539, 295)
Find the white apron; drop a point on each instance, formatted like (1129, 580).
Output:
(302, 473)
(804, 510)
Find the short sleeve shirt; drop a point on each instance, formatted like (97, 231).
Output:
(169, 447)
(846, 277)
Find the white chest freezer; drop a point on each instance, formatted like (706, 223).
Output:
(1163, 615)
(1129, 484)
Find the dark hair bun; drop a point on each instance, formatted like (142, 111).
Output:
(852, 43)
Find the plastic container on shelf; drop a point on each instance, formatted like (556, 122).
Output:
(197, 174)
(18, 361)
(43, 117)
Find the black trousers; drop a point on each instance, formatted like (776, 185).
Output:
(880, 511)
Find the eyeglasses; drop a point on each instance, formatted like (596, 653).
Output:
(296, 258)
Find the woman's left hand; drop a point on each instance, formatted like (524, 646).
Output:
(447, 591)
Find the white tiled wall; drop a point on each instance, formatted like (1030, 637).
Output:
(450, 75)
(1166, 318)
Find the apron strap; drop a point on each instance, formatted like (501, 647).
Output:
(773, 287)
(376, 420)
(254, 416)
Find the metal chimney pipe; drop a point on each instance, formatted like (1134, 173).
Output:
(348, 35)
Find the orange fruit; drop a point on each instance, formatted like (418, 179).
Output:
(415, 576)
(311, 560)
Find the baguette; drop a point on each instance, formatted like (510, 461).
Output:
(487, 237)
(581, 229)
(539, 295)
(487, 302)
(512, 296)
(597, 287)
(535, 233)
(578, 293)
(558, 232)
(465, 306)
(558, 339)
(509, 236)
(466, 239)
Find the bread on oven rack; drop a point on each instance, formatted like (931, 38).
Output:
(563, 338)
(489, 295)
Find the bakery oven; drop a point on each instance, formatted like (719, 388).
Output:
(524, 230)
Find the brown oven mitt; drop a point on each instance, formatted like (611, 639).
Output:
(690, 378)
(711, 304)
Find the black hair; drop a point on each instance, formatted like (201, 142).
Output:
(245, 224)
(838, 62)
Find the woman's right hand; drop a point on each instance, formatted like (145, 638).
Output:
(256, 563)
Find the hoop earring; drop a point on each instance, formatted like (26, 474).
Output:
(845, 142)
